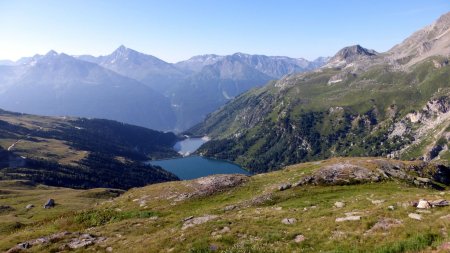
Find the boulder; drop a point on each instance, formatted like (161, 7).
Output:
(29, 206)
(288, 221)
(284, 187)
(339, 204)
(423, 204)
(299, 238)
(191, 222)
(50, 203)
(415, 216)
(439, 203)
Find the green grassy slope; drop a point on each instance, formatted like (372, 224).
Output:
(246, 217)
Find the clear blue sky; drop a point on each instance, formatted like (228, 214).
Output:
(174, 30)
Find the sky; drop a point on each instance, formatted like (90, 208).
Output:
(175, 30)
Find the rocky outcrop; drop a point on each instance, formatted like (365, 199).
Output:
(422, 174)
(341, 173)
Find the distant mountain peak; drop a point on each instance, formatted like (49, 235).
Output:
(348, 55)
(51, 53)
(354, 50)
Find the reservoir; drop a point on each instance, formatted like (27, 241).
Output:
(191, 167)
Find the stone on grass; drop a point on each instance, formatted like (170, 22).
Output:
(415, 216)
(384, 224)
(284, 187)
(50, 203)
(299, 238)
(423, 204)
(377, 201)
(191, 222)
(339, 204)
(349, 218)
(288, 221)
(439, 203)
(29, 206)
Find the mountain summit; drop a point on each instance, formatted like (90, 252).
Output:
(348, 55)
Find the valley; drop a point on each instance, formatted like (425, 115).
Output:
(229, 152)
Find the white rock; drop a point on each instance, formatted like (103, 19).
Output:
(415, 216)
(423, 204)
(299, 238)
(377, 202)
(348, 218)
(339, 204)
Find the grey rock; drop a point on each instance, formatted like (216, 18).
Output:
(50, 203)
(197, 221)
(439, 203)
(288, 221)
(284, 187)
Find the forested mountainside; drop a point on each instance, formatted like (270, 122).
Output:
(361, 103)
(81, 153)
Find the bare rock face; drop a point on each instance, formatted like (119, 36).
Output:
(431, 40)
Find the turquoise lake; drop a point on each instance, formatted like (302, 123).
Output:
(191, 167)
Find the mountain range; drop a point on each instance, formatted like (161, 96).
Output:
(136, 88)
(361, 103)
